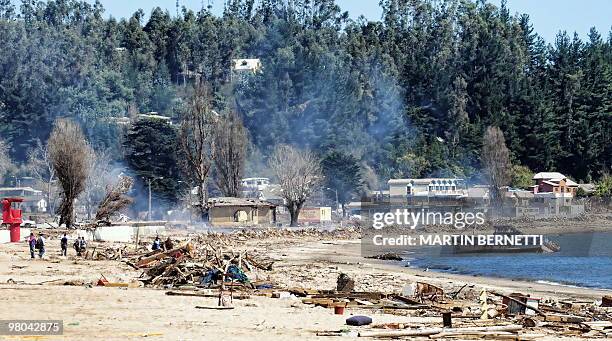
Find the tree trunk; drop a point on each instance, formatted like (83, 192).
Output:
(294, 213)
(203, 200)
(66, 211)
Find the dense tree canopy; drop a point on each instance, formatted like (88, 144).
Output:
(150, 151)
(410, 95)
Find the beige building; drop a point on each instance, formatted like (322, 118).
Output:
(315, 215)
(227, 211)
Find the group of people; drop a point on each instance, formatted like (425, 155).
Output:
(37, 244)
(80, 245)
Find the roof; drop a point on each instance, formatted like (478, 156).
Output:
(423, 181)
(570, 183)
(548, 175)
(154, 116)
(250, 179)
(377, 192)
(554, 176)
(24, 189)
(231, 201)
(555, 182)
(246, 64)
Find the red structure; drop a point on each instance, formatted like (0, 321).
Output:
(12, 217)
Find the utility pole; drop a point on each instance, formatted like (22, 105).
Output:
(337, 204)
(149, 215)
(149, 181)
(336, 192)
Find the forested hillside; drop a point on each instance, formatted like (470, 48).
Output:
(410, 95)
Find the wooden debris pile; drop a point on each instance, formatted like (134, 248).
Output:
(495, 316)
(349, 232)
(207, 266)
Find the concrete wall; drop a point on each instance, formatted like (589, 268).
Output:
(113, 234)
(315, 214)
(126, 234)
(5, 235)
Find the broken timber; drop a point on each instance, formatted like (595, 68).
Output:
(204, 294)
(185, 248)
(434, 331)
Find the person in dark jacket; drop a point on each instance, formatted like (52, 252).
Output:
(64, 245)
(40, 245)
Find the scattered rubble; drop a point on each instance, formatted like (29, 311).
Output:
(226, 267)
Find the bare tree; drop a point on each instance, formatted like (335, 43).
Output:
(298, 173)
(196, 138)
(116, 198)
(496, 162)
(5, 160)
(41, 168)
(230, 145)
(69, 151)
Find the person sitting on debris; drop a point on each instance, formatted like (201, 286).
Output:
(64, 245)
(40, 245)
(32, 244)
(156, 244)
(168, 244)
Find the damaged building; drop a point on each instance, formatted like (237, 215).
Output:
(228, 211)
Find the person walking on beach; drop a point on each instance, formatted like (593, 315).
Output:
(80, 245)
(40, 245)
(76, 246)
(32, 244)
(64, 245)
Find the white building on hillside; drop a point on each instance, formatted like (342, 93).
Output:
(429, 187)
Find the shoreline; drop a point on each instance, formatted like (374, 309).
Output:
(519, 279)
(348, 257)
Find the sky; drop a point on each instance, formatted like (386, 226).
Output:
(547, 16)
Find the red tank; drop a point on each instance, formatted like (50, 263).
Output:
(12, 217)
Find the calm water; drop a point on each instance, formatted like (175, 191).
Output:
(585, 260)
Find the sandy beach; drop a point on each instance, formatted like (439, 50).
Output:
(32, 289)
